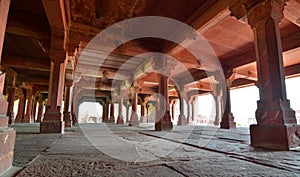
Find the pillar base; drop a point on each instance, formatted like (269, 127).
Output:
(52, 126)
(27, 119)
(216, 123)
(278, 137)
(52, 123)
(11, 120)
(3, 121)
(68, 123)
(134, 121)
(182, 120)
(120, 119)
(111, 119)
(68, 119)
(228, 122)
(164, 124)
(18, 120)
(7, 144)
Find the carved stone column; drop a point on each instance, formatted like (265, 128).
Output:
(188, 120)
(53, 120)
(120, 119)
(182, 119)
(127, 111)
(174, 102)
(40, 109)
(11, 99)
(276, 123)
(34, 109)
(134, 121)
(164, 122)
(7, 135)
(218, 104)
(112, 112)
(227, 119)
(67, 113)
(144, 102)
(193, 102)
(29, 99)
(20, 95)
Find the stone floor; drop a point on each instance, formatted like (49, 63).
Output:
(119, 150)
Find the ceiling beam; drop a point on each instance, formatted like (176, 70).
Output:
(24, 62)
(292, 12)
(289, 42)
(205, 14)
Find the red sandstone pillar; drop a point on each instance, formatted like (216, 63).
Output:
(28, 114)
(120, 119)
(227, 119)
(127, 111)
(188, 120)
(144, 114)
(193, 102)
(20, 94)
(34, 109)
(7, 135)
(67, 113)
(11, 100)
(40, 109)
(182, 119)
(112, 112)
(134, 117)
(164, 122)
(74, 106)
(276, 123)
(53, 120)
(217, 99)
(174, 102)
(143, 108)
(103, 111)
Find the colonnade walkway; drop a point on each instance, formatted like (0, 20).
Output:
(120, 150)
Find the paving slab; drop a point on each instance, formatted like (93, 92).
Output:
(119, 150)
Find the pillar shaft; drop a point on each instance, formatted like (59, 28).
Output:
(181, 119)
(163, 118)
(193, 109)
(227, 119)
(6, 134)
(276, 123)
(19, 117)
(29, 99)
(188, 112)
(120, 119)
(127, 113)
(11, 101)
(67, 113)
(134, 117)
(40, 110)
(112, 112)
(217, 99)
(105, 113)
(143, 110)
(53, 122)
(35, 102)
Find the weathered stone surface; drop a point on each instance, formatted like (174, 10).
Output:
(281, 137)
(184, 151)
(7, 142)
(52, 126)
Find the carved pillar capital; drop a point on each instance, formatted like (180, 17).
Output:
(259, 11)
(57, 55)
